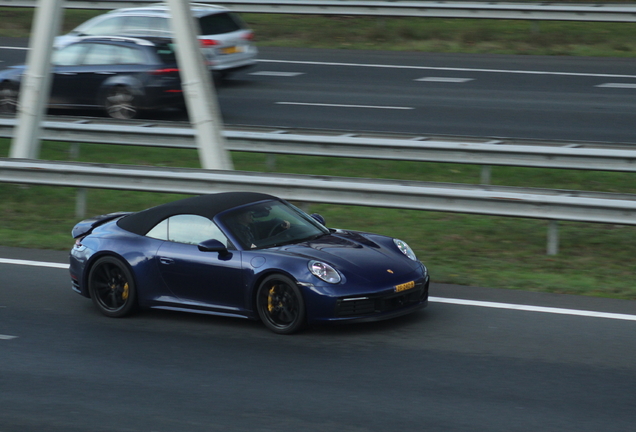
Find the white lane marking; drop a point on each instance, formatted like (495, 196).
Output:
(617, 85)
(7, 337)
(345, 106)
(551, 310)
(445, 79)
(510, 71)
(33, 263)
(277, 74)
(495, 305)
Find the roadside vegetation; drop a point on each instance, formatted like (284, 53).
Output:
(406, 34)
(470, 250)
(595, 260)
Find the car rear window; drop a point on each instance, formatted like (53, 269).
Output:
(220, 23)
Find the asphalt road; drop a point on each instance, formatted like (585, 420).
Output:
(559, 98)
(450, 367)
(480, 95)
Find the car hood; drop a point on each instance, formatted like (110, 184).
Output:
(371, 257)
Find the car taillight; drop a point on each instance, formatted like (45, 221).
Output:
(208, 42)
(248, 36)
(164, 71)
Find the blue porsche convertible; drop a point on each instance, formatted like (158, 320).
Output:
(247, 255)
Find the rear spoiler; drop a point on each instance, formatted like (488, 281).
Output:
(87, 225)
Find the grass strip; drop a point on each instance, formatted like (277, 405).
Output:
(594, 259)
(438, 35)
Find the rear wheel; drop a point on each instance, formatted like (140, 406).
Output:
(120, 103)
(8, 98)
(280, 305)
(111, 287)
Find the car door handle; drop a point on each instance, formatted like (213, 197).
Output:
(166, 261)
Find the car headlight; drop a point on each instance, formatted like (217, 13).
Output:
(324, 272)
(405, 249)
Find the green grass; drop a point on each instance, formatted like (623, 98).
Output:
(462, 249)
(411, 34)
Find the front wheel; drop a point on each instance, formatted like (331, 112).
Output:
(111, 287)
(120, 103)
(280, 305)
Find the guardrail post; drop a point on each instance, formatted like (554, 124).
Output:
(270, 162)
(486, 171)
(80, 203)
(553, 237)
(74, 151)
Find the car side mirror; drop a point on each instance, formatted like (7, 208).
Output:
(213, 245)
(319, 218)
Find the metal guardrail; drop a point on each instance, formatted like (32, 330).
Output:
(538, 154)
(488, 10)
(536, 203)
(552, 205)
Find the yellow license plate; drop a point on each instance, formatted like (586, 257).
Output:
(405, 286)
(231, 50)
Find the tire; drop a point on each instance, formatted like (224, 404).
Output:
(280, 305)
(8, 98)
(120, 103)
(112, 287)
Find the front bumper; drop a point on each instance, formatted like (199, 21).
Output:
(376, 306)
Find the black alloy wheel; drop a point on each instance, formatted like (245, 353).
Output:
(8, 98)
(280, 305)
(111, 287)
(120, 103)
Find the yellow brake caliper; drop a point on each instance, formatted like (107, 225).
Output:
(124, 295)
(270, 299)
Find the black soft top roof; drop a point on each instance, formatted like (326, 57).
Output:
(203, 205)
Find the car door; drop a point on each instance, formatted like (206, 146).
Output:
(66, 66)
(98, 65)
(77, 79)
(200, 279)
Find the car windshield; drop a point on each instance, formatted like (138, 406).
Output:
(269, 224)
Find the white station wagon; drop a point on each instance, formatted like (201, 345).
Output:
(226, 41)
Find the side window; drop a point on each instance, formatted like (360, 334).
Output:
(101, 54)
(70, 55)
(145, 26)
(137, 25)
(129, 55)
(162, 25)
(160, 231)
(109, 26)
(191, 229)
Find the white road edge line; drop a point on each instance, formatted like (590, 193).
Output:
(617, 85)
(277, 74)
(33, 263)
(528, 308)
(512, 306)
(344, 105)
(445, 79)
(7, 337)
(510, 71)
